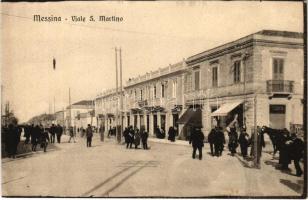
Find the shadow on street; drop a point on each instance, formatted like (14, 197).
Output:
(297, 187)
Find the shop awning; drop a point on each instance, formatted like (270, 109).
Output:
(192, 117)
(225, 109)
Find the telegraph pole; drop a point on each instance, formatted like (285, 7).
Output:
(121, 98)
(117, 108)
(70, 109)
(256, 156)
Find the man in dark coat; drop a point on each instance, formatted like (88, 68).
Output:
(44, 139)
(35, 136)
(89, 134)
(52, 131)
(126, 136)
(233, 140)
(144, 138)
(171, 134)
(284, 152)
(131, 135)
(243, 140)
(59, 132)
(13, 139)
(297, 147)
(219, 141)
(211, 138)
(27, 134)
(196, 139)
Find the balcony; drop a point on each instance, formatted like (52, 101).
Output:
(280, 88)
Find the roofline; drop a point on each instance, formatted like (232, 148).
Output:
(248, 37)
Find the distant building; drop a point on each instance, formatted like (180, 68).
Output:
(106, 105)
(59, 117)
(72, 112)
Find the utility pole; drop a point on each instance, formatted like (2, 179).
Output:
(54, 104)
(69, 106)
(256, 156)
(121, 99)
(117, 108)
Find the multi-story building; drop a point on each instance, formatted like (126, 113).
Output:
(106, 108)
(72, 112)
(155, 99)
(258, 77)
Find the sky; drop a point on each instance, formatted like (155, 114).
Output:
(152, 35)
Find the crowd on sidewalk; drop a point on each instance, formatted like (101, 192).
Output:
(290, 147)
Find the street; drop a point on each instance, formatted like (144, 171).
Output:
(166, 170)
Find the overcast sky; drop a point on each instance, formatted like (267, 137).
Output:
(152, 35)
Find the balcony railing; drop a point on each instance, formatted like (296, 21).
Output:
(280, 86)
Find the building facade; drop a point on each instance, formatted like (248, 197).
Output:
(59, 118)
(155, 100)
(107, 105)
(259, 78)
(72, 113)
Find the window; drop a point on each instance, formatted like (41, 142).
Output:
(197, 80)
(154, 90)
(174, 88)
(278, 65)
(215, 76)
(162, 90)
(135, 94)
(188, 82)
(141, 93)
(237, 71)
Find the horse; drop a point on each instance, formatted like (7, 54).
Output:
(277, 137)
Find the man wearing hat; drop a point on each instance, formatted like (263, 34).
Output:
(196, 139)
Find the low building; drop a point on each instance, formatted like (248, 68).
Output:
(72, 112)
(59, 118)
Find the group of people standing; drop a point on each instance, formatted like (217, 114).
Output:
(33, 134)
(11, 138)
(134, 136)
(40, 135)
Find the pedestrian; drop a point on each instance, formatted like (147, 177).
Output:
(35, 137)
(131, 136)
(233, 140)
(196, 139)
(101, 132)
(27, 133)
(219, 141)
(126, 136)
(59, 132)
(52, 131)
(171, 134)
(137, 138)
(89, 134)
(44, 139)
(297, 147)
(144, 137)
(211, 139)
(13, 139)
(71, 132)
(243, 141)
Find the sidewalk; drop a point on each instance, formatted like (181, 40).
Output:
(165, 141)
